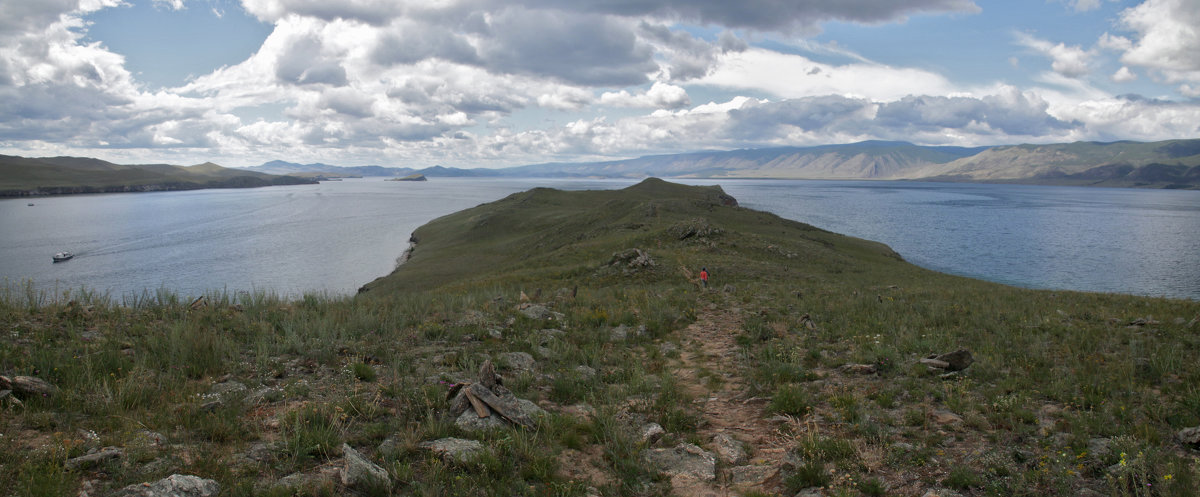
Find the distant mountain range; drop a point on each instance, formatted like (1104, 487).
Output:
(21, 176)
(1165, 164)
(330, 171)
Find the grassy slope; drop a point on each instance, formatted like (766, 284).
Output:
(1055, 371)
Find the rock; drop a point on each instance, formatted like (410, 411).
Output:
(547, 336)
(652, 432)
(619, 333)
(1190, 437)
(1099, 447)
(582, 411)
(28, 385)
(728, 449)
(495, 332)
(943, 417)
(391, 446)
(858, 369)
(487, 374)
(585, 372)
(228, 387)
(454, 450)
(667, 348)
(359, 472)
(940, 492)
(498, 403)
(952, 361)
(810, 492)
(259, 452)
(518, 362)
(471, 422)
(686, 460)
(212, 405)
(94, 459)
(729, 288)
(935, 363)
(264, 395)
(172, 486)
(539, 311)
(749, 475)
(958, 360)
(632, 260)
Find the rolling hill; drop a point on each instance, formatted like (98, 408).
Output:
(21, 176)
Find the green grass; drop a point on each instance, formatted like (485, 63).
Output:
(1054, 371)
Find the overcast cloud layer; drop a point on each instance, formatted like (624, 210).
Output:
(482, 83)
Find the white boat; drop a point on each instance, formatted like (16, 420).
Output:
(63, 256)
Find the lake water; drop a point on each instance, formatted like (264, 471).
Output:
(336, 236)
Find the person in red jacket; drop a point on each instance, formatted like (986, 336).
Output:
(704, 276)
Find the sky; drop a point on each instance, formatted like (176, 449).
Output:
(483, 83)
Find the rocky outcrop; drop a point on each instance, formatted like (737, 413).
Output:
(172, 486)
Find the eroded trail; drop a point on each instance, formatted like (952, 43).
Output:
(712, 369)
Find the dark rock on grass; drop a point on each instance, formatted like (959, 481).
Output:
(958, 360)
(172, 486)
(952, 361)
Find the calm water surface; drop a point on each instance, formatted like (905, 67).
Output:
(1144, 242)
(336, 236)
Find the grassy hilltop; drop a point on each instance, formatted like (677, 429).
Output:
(797, 369)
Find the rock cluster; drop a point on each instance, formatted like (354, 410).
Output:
(486, 404)
(632, 260)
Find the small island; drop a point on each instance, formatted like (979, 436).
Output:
(411, 177)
